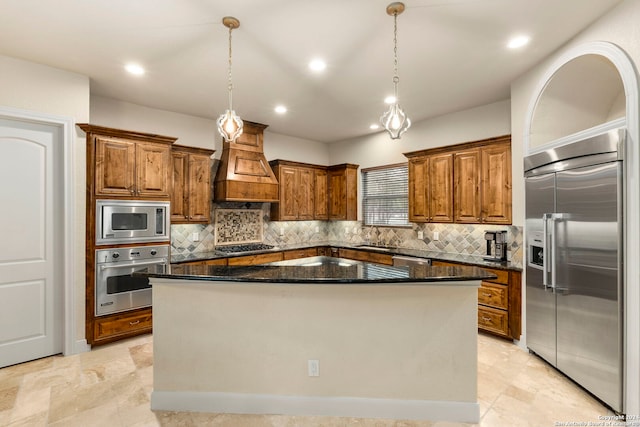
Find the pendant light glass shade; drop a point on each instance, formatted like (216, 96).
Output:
(395, 120)
(229, 123)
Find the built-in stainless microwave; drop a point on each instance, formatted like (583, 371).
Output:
(124, 221)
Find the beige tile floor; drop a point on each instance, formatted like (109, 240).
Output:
(111, 385)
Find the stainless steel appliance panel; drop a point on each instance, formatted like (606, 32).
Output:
(541, 301)
(124, 221)
(588, 280)
(116, 289)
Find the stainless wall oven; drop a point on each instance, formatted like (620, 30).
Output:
(130, 221)
(116, 289)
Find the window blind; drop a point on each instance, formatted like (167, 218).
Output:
(385, 195)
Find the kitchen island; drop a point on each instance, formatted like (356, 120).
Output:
(317, 336)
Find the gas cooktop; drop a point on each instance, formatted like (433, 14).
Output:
(231, 249)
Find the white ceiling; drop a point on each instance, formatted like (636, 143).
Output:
(452, 53)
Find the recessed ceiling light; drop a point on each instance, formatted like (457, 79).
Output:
(134, 69)
(317, 65)
(390, 99)
(280, 109)
(518, 41)
(374, 126)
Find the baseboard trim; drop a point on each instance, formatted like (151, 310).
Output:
(241, 403)
(81, 346)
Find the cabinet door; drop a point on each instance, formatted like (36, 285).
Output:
(179, 190)
(153, 163)
(496, 184)
(199, 185)
(418, 206)
(467, 186)
(288, 193)
(321, 195)
(337, 195)
(115, 167)
(304, 195)
(441, 187)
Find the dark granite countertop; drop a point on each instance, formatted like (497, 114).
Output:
(418, 253)
(321, 269)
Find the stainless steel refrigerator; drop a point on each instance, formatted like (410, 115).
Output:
(574, 273)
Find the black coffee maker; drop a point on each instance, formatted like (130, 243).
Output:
(496, 246)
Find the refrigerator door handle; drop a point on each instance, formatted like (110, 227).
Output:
(545, 251)
(552, 218)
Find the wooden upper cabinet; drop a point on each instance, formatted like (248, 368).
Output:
(304, 191)
(286, 209)
(418, 190)
(304, 199)
(441, 188)
(343, 192)
(191, 185)
(321, 194)
(466, 171)
(131, 169)
(496, 184)
(430, 188)
(464, 183)
(153, 163)
(115, 171)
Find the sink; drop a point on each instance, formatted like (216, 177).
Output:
(375, 248)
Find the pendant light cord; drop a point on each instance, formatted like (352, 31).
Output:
(396, 79)
(230, 87)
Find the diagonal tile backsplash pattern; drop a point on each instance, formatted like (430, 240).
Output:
(244, 222)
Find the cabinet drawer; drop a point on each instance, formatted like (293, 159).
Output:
(122, 325)
(493, 320)
(494, 295)
(300, 253)
(366, 256)
(503, 275)
(255, 259)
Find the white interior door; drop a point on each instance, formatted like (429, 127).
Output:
(31, 288)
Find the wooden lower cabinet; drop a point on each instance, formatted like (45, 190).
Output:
(365, 256)
(217, 261)
(300, 253)
(115, 327)
(255, 259)
(499, 302)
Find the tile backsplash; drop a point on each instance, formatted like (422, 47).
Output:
(249, 222)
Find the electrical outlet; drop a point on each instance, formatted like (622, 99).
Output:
(436, 235)
(281, 231)
(420, 235)
(346, 230)
(313, 367)
(195, 237)
(317, 229)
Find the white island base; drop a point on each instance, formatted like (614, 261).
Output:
(398, 351)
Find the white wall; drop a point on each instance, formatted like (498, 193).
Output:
(42, 89)
(197, 131)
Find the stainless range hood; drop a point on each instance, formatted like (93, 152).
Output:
(244, 175)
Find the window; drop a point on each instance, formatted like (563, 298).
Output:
(385, 195)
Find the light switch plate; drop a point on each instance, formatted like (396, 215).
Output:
(420, 235)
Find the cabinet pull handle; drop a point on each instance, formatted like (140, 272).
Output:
(486, 319)
(486, 294)
(134, 323)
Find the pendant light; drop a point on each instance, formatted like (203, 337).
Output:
(394, 120)
(230, 124)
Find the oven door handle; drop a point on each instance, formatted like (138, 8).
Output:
(133, 264)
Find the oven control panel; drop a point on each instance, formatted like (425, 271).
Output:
(131, 254)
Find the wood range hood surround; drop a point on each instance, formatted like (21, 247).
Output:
(244, 174)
